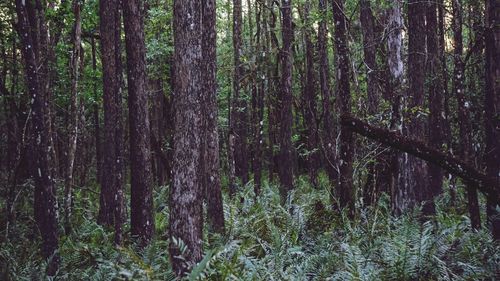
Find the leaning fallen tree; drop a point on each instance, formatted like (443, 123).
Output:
(419, 149)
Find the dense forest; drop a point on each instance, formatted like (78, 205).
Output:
(250, 140)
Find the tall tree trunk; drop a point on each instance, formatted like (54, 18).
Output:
(210, 146)
(238, 103)
(111, 197)
(186, 194)
(259, 99)
(370, 50)
(345, 188)
(374, 167)
(310, 97)
(435, 90)
(396, 96)
(465, 128)
(285, 139)
(45, 199)
(492, 109)
(73, 118)
(97, 124)
(141, 184)
(328, 142)
(415, 172)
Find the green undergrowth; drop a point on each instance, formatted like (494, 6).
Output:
(303, 240)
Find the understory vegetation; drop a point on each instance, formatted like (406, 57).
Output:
(303, 240)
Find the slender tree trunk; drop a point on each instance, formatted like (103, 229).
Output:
(328, 143)
(186, 194)
(210, 145)
(141, 185)
(492, 109)
(435, 90)
(238, 103)
(310, 98)
(415, 172)
(370, 192)
(259, 102)
(111, 197)
(345, 188)
(45, 199)
(73, 118)
(464, 124)
(285, 140)
(395, 65)
(97, 124)
(370, 51)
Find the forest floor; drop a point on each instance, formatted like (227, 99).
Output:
(303, 240)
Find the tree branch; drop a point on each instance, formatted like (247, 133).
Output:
(421, 150)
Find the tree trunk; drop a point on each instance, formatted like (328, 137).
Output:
(285, 168)
(186, 194)
(464, 124)
(97, 122)
(141, 184)
(210, 145)
(328, 141)
(435, 90)
(73, 118)
(111, 196)
(492, 109)
(417, 148)
(345, 188)
(310, 98)
(416, 172)
(396, 95)
(45, 199)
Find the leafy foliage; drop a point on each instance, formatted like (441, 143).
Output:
(303, 240)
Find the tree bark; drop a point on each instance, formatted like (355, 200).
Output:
(465, 128)
(45, 199)
(345, 188)
(310, 98)
(328, 141)
(285, 169)
(186, 193)
(210, 145)
(396, 96)
(238, 103)
(141, 184)
(417, 148)
(111, 196)
(435, 120)
(416, 172)
(492, 110)
(73, 118)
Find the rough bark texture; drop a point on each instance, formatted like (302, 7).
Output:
(285, 168)
(464, 124)
(435, 91)
(328, 142)
(310, 98)
(345, 189)
(210, 152)
(238, 103)
(395, 96)
(492, 109)
(111, 197)
(73, 118)
(417, 148)
(186, 194)
(369, 49)
(141, 181)
(45, 199)
(415, 172)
